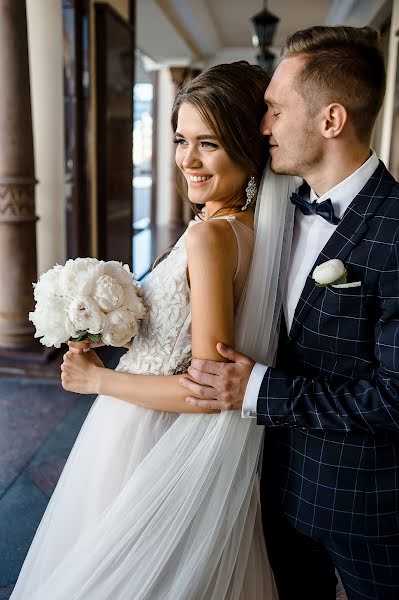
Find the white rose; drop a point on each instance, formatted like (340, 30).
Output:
(331, 271)
(79, 276)
(85, 315)
(51, 322)
(108, 293)
(120, 326)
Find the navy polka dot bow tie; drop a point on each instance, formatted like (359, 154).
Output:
(323, 209)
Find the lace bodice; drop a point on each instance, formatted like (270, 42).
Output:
(163, 343)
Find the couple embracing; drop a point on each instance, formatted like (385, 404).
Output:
(176, 466)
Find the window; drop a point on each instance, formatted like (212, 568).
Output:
(143, 165)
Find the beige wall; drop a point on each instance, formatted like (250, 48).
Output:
(46, 76)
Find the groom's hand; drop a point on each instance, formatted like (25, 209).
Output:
(219, 385)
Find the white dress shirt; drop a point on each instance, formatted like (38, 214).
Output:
(311, 233)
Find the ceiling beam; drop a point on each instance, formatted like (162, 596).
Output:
(194, 24)
(179, 28)
(355, 13)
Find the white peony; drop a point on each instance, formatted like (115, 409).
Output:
(85, 315)
(121, 273)
(133, 297)
(134, 301)
(70, 327)
(331, 271)
(48, 285)
(108, 294)
(120, 326)
(79, 276)
(51, 322)
(87, 297)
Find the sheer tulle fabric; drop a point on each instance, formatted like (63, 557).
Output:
(172, 506)
(258, 315)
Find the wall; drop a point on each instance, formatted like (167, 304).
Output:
(45, 41)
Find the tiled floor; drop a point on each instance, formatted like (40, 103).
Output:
(39, 422)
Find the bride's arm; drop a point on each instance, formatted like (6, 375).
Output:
(212, 259)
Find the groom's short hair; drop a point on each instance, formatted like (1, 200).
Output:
(343, 65)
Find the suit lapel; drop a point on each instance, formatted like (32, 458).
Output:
(347, 235)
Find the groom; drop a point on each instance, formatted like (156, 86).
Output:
(331, 405)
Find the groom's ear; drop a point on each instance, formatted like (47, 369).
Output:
(334, 119)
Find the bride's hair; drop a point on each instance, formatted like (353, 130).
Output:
(230, 99)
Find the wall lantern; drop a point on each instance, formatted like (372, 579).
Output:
(264, 24)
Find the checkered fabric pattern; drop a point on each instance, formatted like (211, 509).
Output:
(369, 571)
(331, 405)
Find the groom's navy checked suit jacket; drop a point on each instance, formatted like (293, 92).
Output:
(331, 405)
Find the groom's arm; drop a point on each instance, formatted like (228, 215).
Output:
(366, 403)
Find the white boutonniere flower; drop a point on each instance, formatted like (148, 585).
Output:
(333, 272)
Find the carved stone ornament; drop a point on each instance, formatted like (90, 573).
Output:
(17, 200)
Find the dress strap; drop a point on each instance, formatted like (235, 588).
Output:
(232, 219)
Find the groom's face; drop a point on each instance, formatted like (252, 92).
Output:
(295, 142)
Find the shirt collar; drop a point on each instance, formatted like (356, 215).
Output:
(344, 192)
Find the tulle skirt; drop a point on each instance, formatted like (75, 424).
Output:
(150, 506)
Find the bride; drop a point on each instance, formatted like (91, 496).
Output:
(158, 501)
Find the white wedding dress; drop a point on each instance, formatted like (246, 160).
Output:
(153, 505)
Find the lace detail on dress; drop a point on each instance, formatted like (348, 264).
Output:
(163, 343)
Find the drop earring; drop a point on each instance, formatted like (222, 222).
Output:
(251, 191)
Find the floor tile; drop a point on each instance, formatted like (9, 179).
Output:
(29, 410)
(21, 509)
(46, 475)
(60, 440)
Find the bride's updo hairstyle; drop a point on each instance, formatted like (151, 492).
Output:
(230, 100)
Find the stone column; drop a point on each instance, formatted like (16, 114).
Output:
(17, 180)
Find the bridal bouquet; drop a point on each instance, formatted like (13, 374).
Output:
(87, 299)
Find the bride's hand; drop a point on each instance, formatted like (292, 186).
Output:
(79, 372)
(85, 346)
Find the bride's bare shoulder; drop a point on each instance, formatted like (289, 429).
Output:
(214, 240)
(213, 231)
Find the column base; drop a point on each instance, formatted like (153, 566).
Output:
(17, 334)
(30, 353)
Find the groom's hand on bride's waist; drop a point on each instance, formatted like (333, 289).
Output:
(219, 385)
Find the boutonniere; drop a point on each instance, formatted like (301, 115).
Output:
(333, 272)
